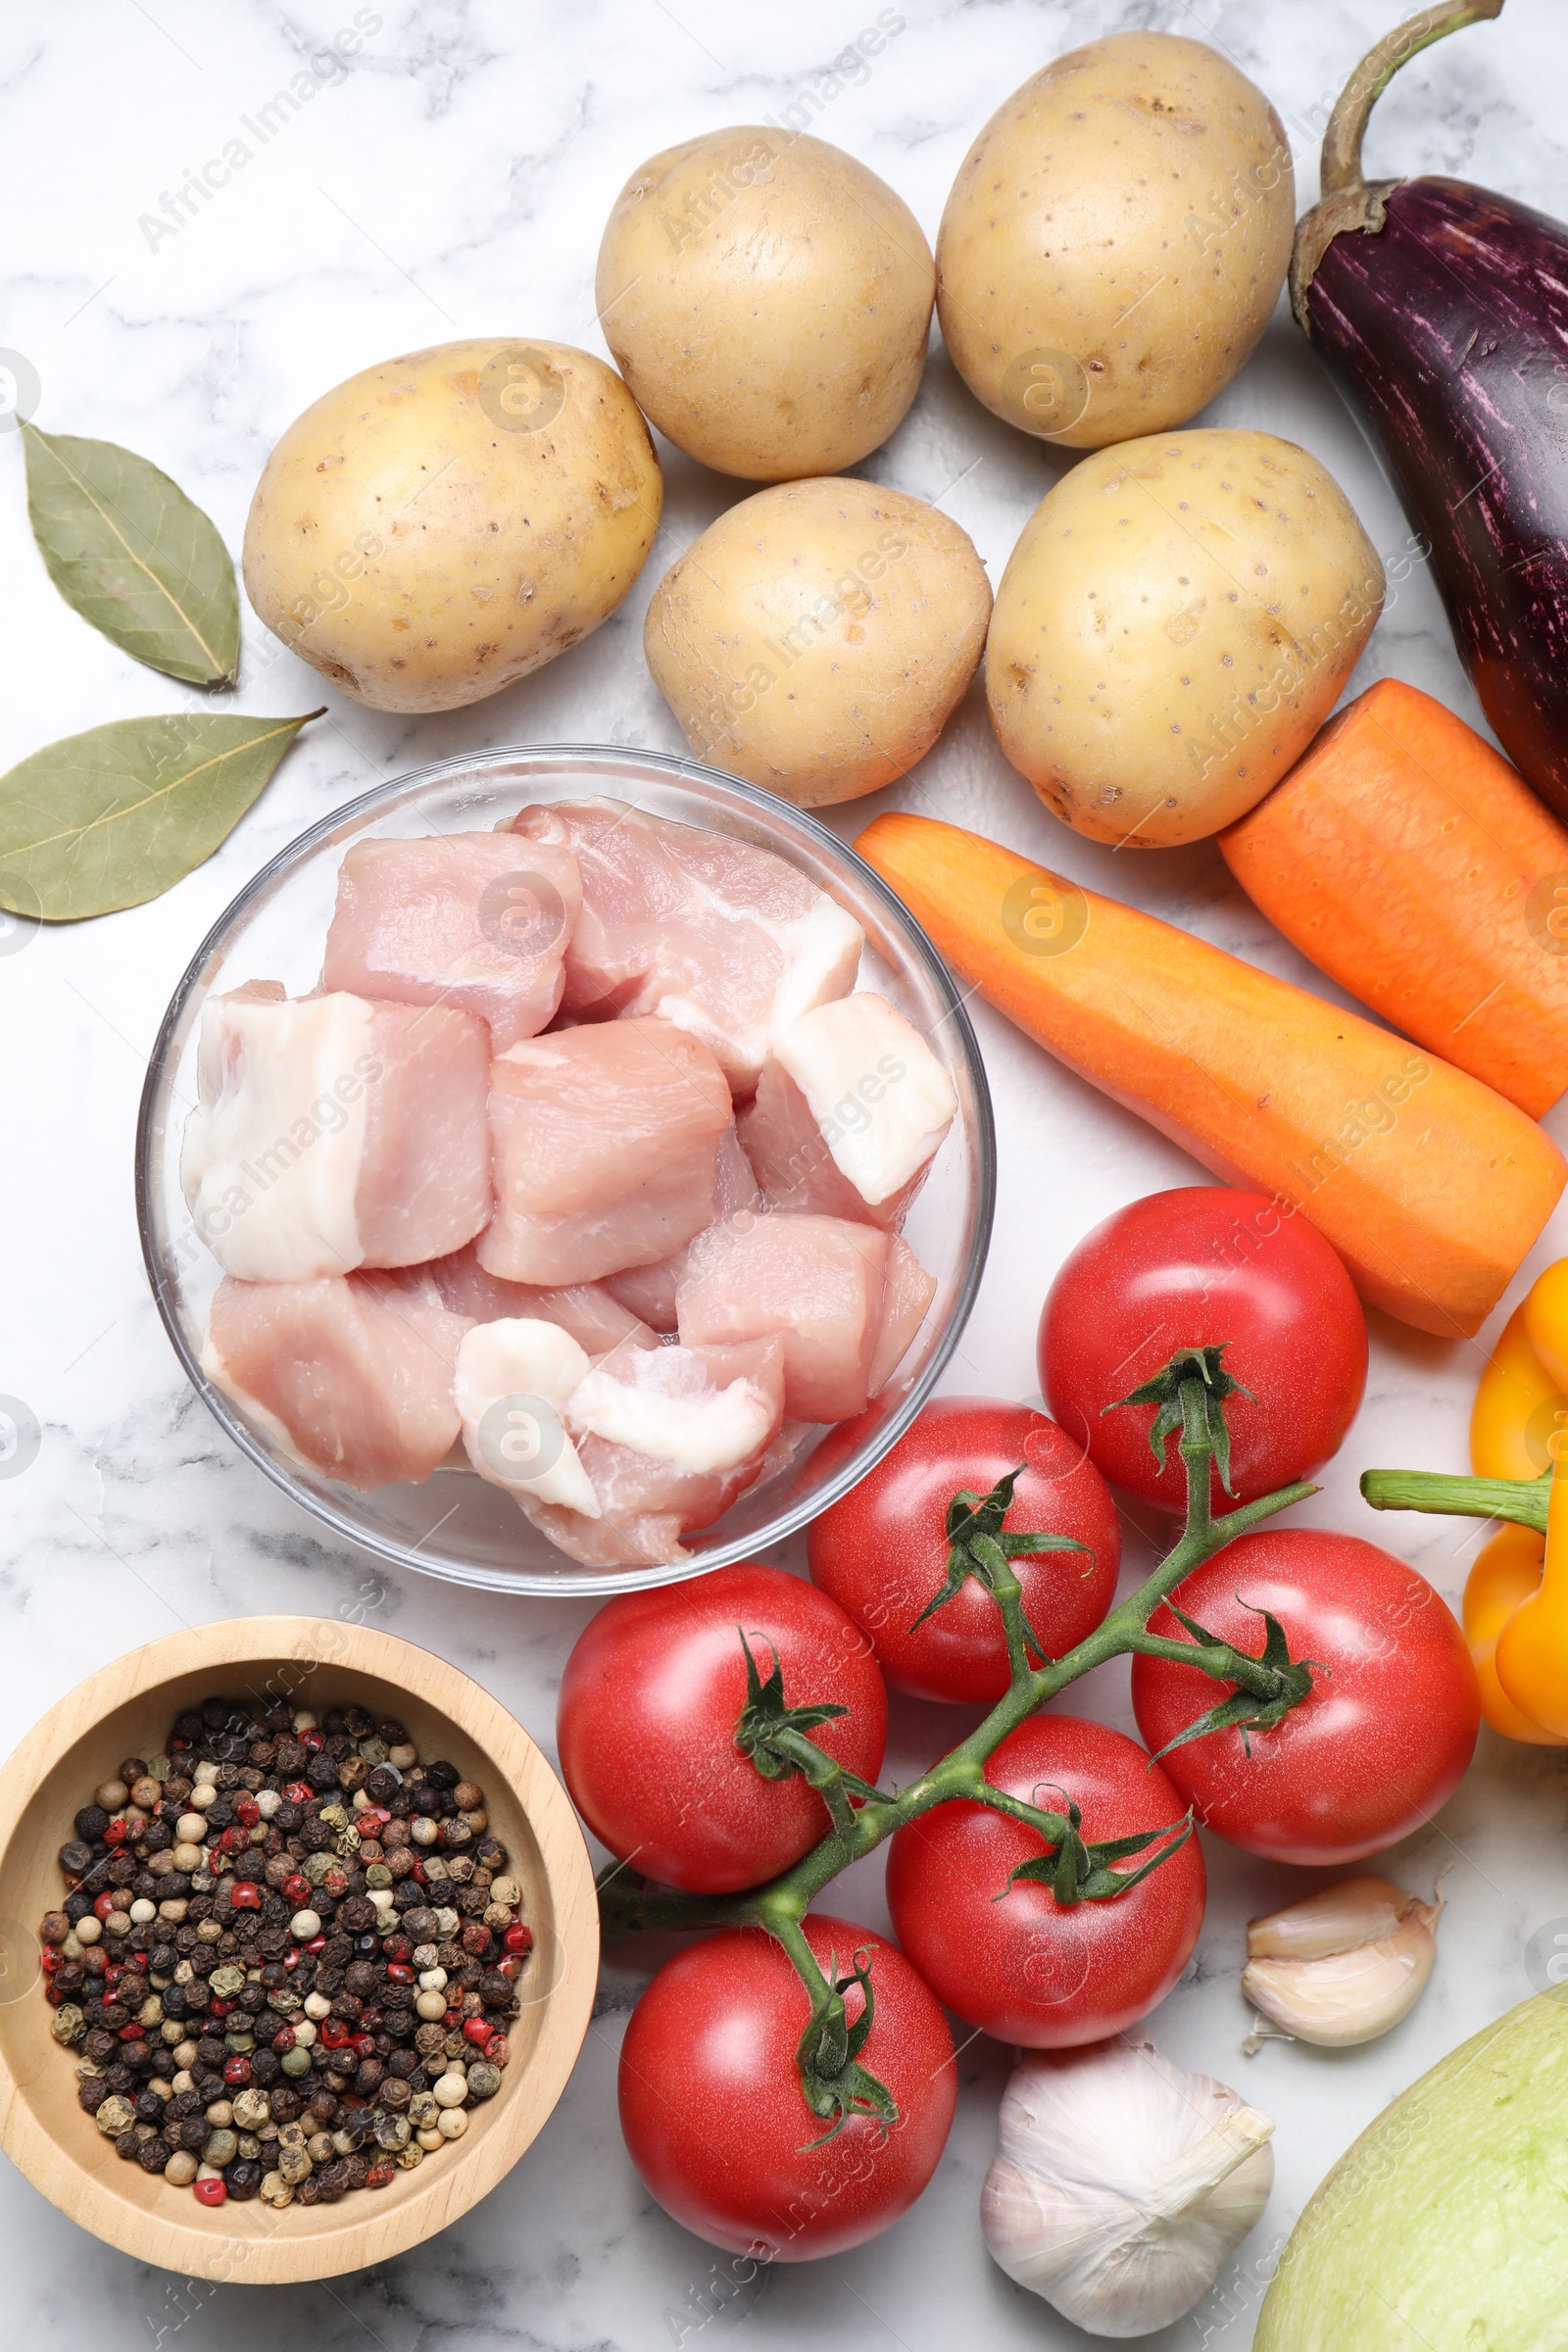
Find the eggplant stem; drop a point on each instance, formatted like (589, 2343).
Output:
(1340, 168)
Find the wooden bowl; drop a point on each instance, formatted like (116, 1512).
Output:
(128, 1710)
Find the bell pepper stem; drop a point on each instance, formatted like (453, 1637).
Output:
(1521, 1499)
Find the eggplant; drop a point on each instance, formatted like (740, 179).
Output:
(1442, 309)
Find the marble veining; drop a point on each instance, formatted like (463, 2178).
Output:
(452, 178)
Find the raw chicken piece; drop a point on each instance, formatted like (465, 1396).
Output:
(604, 1141)
(699, 1407)
(851, 1107)
(725, 939)
(352, 1375)
(596, 1321)
(906, 1293)
(466, 919)
(817, 1281)
(513, 1380)
(334, 1133)
(648, 1292)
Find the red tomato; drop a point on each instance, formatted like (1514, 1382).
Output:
(1188, 1269)
(715, 2117)
(646, 1724)
(1380, 1741)
(1019, 1964)
(882, 1552)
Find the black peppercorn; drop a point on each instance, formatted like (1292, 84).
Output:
(244, 2178)
(193, 2132)
(265, 2068)
(284, 2102)
(153, 2154)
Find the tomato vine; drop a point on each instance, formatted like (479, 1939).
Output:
(1189, 1394)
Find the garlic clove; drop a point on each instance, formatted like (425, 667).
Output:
(1122, 2185)
(1356, 1911)
(1343, 1966)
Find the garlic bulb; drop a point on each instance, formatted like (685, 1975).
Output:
(1122, 2183)
(1344, 1965)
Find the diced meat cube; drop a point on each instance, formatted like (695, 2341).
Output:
(817, 1281)
(467, 920)
(332, 1134)
(350, 1374)
(725, 939)
(648, 1292)
(513, 1380)
(604, 1141)
(850, 1108)
(596, 1321)
(908, 1291)
(695, 1410)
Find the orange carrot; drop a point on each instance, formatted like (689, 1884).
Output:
(1418, 870)
(1430, 1185)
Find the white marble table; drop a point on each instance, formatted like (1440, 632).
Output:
(455, 180)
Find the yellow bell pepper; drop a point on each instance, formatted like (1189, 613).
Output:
(1512, 1421)
(1507, 1572)
(1516, 1599)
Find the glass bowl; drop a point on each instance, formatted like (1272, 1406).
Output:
(456, 1525)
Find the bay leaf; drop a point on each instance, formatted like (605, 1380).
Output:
(120, 814)
(131, 553)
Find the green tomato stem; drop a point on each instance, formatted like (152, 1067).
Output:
(628, 1903)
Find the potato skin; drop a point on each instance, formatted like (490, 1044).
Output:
(815, 638)
(1115, 240)
(768, 301)
(1178, 618)
(440, 525)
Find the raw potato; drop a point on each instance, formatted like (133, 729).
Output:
(816, 636)
(769, 300)
(443, 524)
(1176, 621)
(1115, 240)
